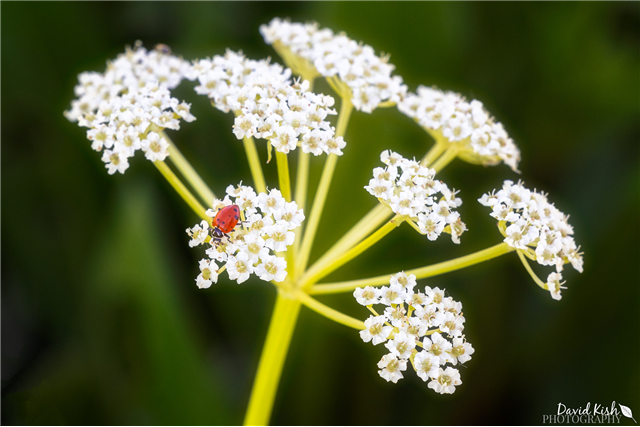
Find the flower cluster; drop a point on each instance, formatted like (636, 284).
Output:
(530, 223)
(268, 105)
(410, 189)
(448, 115)
(127, 106)
(266, 227)
(410, 317)
(366, 75)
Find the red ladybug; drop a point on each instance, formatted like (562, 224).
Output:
(225, 221)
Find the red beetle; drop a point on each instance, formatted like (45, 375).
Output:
(225, 221)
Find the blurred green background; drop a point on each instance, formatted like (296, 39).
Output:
(102, 322)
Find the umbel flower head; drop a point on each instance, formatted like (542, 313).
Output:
(423, 328)
(410, 189)
(127, 106)
(268, 104)
(350, 66)
(256, 243)
(531, 224)
(448, 117)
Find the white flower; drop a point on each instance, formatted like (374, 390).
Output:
(208, 275)
(410, 190)
(154, 147)
(362, 74)
(115, 161)
(426, 365)
(401, 279)
(449, 117)
(250, 247)
(391, 295)
(438, 346)
(268, 104)
(367, 296)
(272, 268)
(198, 233)
(554, 284)
(445, 380)
(239, 267)
(375, 330)
(407, 319)
(290, 215)
(534, 224)
(271, 203)
(119, 105)
(278, 237)
(401, 345)
(461, 350)
(391, 367)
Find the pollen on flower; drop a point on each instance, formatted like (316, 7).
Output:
(410, 317)
(249, 247)
(122, 105)
(410, 189)
(447, 116)
(311, 51)
(530, 223)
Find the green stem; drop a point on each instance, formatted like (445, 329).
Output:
(330, 313)
(254, 165)
(323, 189)
(302, 179)
(274, 353)
(435, 152)
(319, 271)
(445, 159)
(533, 275)
(366, 225)
(283, 175)
(421, 273)
(182, 190)
(190, 174)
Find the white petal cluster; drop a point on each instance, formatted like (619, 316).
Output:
(366, 75)
(126, 106)
(530, 223)
(410, 189)
(268, 104)
(267, 225)
(448, 116)
(423, 328)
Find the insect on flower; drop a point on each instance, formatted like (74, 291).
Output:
(224, 222)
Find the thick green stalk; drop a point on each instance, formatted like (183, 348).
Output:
(254, 165)
(445, 159)
(182, 190)
(421, 273)
(314, 274)
(434, 153)
(274, 353)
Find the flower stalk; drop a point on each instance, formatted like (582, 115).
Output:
(323, 189)
(190, 174)
(274, 353)
(420, 273)
(181, 189)
(254, 164)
